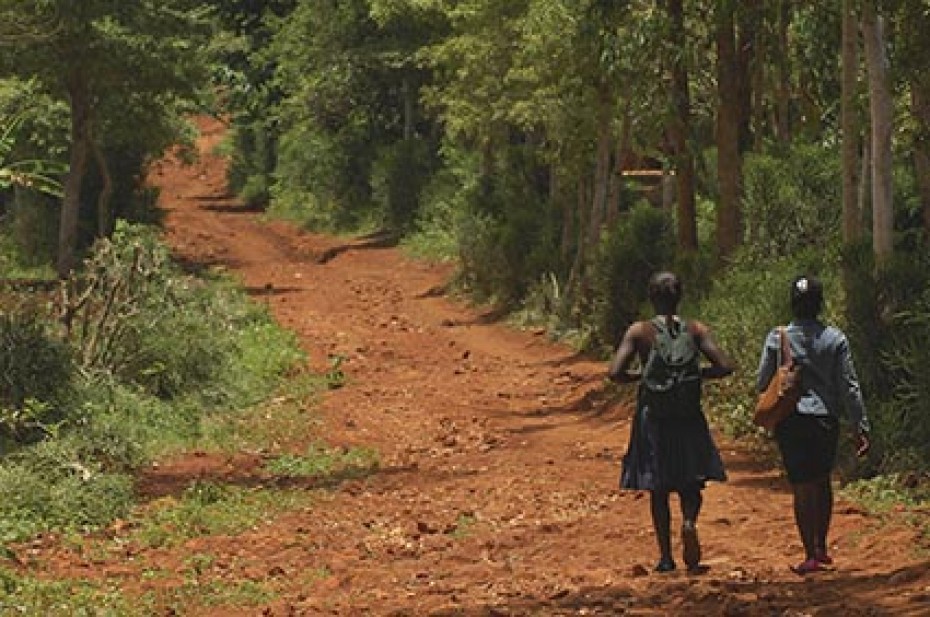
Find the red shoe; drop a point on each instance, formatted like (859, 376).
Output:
(808, 567)
(825, 559)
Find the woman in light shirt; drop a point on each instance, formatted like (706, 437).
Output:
(808, 438)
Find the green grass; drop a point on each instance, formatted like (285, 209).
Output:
(319, 460)
(207, 508)
(23, 595)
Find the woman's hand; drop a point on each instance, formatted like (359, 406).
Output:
(862, 444)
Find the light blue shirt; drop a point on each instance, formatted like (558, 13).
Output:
(828, 377)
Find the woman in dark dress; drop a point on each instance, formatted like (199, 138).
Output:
(673, 455)
(808, 438)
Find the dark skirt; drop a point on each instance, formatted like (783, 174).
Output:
(808, 446)
(672, 455)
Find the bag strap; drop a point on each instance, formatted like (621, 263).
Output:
(785, 358)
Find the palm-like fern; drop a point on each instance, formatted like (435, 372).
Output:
(33, 174)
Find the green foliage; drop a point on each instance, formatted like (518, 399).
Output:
(49, 486)
(640, 245)
(792, 200)
(125, 405)
(134, 316)
(506, 237)
(881, 493)
(35, 370)
(24, 595)
(444, 203)
(397, 179)
(207, 508)
(31, 174)
(889, 321)
(129, 71)
(322, 461)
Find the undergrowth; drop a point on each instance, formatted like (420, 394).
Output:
(149, 358)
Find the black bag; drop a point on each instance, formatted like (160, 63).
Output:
(671, 382)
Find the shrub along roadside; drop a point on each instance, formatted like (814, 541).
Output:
(150, 357)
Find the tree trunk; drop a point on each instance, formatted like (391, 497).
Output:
(880, 109)
(602, 170)
(575, 276)
(863, 201)
(920, 104)
(624, 144)
(409, 113)
(104, 211)
(729, 120)
(747, 13)
(568, 216)
(71, 203)
(849, 121)
(783, 89)
(679, 133)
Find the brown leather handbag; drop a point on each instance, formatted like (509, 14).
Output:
(780, 398)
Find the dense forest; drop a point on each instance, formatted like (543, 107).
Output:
(558, 151)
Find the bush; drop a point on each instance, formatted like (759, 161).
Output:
(508, 235)
(35, 369)
(889, 317)
(135, 317)
(791, 200)
(640, 245)
(399, 174)
(50, 486)
(158, 352)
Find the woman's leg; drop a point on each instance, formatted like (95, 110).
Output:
(691, 501)
(824, 515)
(807, 515)
(661, 522)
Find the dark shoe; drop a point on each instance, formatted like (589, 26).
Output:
(690, 546)
(825, 559)
(665, 565)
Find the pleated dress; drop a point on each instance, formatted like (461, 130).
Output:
(670, 454)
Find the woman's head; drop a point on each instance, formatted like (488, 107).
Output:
(806, 297)
(664, 292)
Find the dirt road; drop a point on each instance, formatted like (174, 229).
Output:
(499, 460)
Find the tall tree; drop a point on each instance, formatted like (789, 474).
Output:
(680, 126)
(881, 109)
(729, 121)
(849, 123)
(914, 47)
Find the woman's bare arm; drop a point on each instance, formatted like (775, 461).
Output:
(623, 357)
(720, 363)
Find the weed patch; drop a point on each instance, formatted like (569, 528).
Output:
(323, 461)
(207, 508)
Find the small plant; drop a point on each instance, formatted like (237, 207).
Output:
(879, 494)
(335, 377)
(464, 525)
(208, 508)
(323, 461)
(23, 595)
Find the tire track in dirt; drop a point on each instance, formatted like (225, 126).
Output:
(500, 454)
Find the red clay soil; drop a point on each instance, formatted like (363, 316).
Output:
(500, 452)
